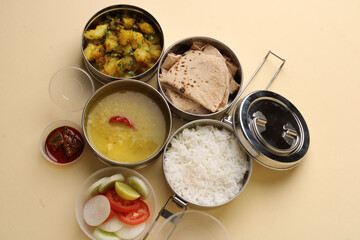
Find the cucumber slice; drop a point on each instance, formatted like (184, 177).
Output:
(139, 186)
(102, 235)
(130, 231)
(110, 182)
(93, 189)
(96, 210)
(113, 225)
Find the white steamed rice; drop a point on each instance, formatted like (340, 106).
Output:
(205, 165)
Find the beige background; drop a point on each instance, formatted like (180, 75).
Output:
(319, 199)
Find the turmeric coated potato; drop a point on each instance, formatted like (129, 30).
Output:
(110, 66)
(128, 22)
(142, 55)
(123, 45)
(111, 42)
(96, 33)
(125, 36)
(146, 28)
(93, 51)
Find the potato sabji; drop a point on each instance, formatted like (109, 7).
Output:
(123, 46)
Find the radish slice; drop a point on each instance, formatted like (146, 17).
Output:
(139, 185)
(110, 182)
(102, 235)
(130, 231)
(93, 189)
(112, 225)
(96, 210)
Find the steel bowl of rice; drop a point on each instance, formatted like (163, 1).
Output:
(205, 165)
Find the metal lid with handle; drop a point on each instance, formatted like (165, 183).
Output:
(269, 127)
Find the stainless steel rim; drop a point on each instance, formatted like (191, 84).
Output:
(204, 122)
(103, 78)
(104, 88)
(257, 149)
(186, 41)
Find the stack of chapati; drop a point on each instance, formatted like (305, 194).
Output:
(199, 81)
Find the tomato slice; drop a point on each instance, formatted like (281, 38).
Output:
(119, 204)
(135, 217)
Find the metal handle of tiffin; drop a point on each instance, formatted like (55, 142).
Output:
(227, 118)
(165, 213)
(259, 67)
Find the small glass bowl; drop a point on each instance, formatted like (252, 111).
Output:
(192, 224)
(83, 197)
(54, 126)
(70, 88)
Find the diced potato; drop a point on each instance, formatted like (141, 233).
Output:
(96, 33)
(93, 51)
(142, 55)
(128, 22)
(110, 66)
(155, 47)
(111, 42)
(155, 51)
(146, 28)
(154, 39)
(127, 50)
(155, 54)
(125, 63)
(125, 36)
(138, 40)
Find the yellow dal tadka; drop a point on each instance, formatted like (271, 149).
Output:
(118, 141)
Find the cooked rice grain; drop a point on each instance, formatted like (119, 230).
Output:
(205, 165)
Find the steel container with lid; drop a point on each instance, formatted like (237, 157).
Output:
(271, 129)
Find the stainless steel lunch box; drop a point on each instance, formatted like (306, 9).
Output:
(138, 86)
(96, 18)
(181, 47)
(268, 127)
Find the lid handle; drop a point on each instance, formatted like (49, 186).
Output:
(259, 67)
(260, 121)
(227, 118)
(165, 213)
(290, 135)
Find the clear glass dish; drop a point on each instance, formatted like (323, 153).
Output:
(192, 224)
(70, 88)
(83, 197)
(49, 129)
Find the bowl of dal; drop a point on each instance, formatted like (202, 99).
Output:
(127, 123)
(200, 78)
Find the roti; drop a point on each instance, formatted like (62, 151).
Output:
(199, 81)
